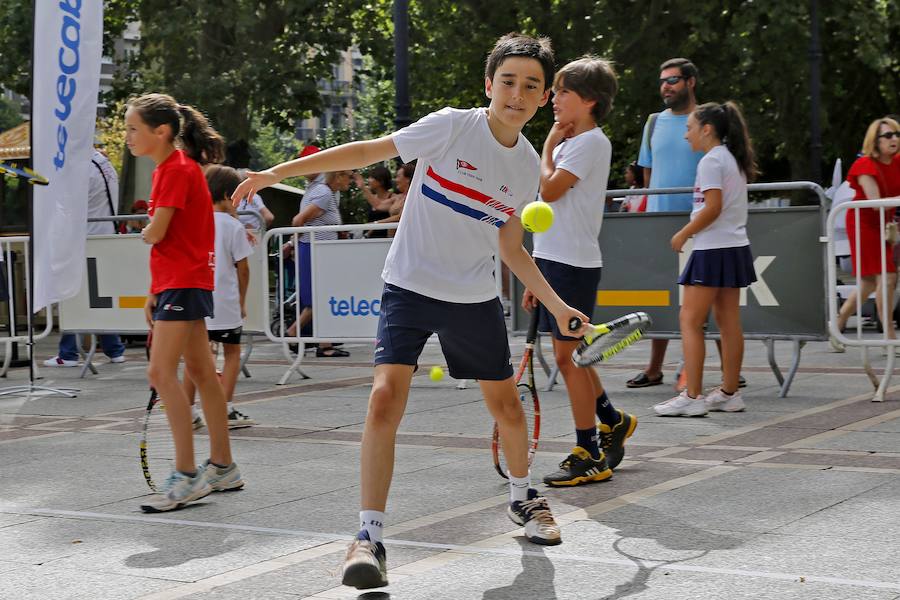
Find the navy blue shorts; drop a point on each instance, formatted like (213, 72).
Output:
(719, 267)
(183, 304)
(473, 336)
(577, 286)
(225, 336)
(305, 266)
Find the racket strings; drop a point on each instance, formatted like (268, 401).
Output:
(159, 445)
(623, 343)
(610, 344)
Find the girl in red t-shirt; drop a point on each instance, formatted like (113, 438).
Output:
(874, 175)
(182, 231)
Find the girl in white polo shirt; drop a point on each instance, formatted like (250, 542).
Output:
(721, 263)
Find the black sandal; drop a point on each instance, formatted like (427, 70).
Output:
(331, 352)
(642, 380)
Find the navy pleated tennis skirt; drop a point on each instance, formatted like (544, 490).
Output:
(719, 267)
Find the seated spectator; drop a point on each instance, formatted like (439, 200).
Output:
(318, 207)
(403, 180)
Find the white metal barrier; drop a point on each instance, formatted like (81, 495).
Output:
(9, 245)
(346, 287)
(839, 213)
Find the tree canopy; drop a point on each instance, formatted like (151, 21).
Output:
(246, 62)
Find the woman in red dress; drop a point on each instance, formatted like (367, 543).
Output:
(874, 175)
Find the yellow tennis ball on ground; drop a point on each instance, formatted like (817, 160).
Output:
(436, 373)
(537, 217)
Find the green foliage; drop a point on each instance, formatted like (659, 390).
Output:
(242, 59)
(9, 114)
(754, 52)
(16, 28)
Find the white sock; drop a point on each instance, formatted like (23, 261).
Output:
(372, 522)
(518, 487)
(229, 407)
(194, 413)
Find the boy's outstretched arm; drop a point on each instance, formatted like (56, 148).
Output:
(518, 260)
(345, 157)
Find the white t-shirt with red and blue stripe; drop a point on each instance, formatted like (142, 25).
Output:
(465, 188)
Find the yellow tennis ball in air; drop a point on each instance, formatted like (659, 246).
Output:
(436, 373)
(537, 217)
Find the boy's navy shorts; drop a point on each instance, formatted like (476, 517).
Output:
(473, 336)
(577, 286)
(225, 336)
(183, 304)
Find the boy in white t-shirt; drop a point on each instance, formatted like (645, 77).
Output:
(231, 280)
(475, 172)
(574, 173)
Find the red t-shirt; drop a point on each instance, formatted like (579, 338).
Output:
(888, 179)
(185, 258)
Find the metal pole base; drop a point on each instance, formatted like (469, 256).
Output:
(29, 390)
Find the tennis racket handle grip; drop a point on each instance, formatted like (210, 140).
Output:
(574, 324)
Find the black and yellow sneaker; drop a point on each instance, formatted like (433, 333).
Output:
(365, 565)
(579, 468)
(612, 439)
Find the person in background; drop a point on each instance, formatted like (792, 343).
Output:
(377, 192)
(103, 200)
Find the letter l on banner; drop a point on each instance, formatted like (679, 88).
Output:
(68, 43)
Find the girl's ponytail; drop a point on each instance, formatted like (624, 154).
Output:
(198, 138)
(731, 129)
(738, 142)
(188, 125)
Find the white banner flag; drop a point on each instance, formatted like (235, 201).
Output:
(68, 43)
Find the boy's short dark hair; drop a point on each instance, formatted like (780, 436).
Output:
(591, 78)
(517, 44)
(687, 68)
(222, 182)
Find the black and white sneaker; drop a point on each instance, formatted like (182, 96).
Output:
(578, 468)
(238, 419)
(365, 565)
(535, 516)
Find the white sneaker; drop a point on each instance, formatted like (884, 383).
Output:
(197, 422)
(682, 405)
(116, 360)
(177, 491)
(719, 401)
(237, 419)
(58, 362)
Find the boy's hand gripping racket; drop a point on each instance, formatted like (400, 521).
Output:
(608, 339)
(528, 396)
(157, 446)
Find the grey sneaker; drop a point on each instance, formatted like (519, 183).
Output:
(222, 480)
(365, 565)
(178, 491)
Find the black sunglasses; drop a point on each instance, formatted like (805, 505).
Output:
(672, 80)
(890, 134)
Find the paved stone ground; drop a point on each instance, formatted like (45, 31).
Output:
(797, 498)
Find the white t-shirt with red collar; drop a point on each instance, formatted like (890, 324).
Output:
(465, 188)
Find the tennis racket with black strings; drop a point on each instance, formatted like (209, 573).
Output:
(157, 444)
(529, 397)
(608, 339)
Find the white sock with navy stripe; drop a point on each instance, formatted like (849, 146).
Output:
(372, 522)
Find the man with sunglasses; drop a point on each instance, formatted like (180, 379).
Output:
(668, 161)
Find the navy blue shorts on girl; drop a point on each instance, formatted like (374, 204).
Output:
(183, 304)
(473, 336)
(577, 286)
(719, 267)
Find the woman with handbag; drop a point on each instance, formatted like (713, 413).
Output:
(874, 175)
